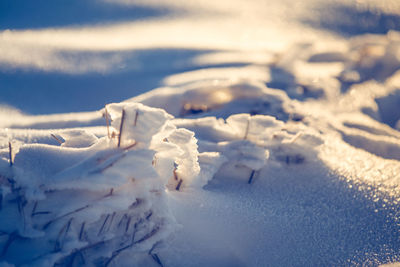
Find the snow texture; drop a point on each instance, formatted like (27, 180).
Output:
(256, 157)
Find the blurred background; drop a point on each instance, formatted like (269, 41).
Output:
(70, 56)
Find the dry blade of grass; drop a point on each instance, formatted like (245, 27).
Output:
(156, 259)
(178, 186)
(113, 256)
(34, 208)
(131, 145)
(10, 153)
(110, 193)
(125, 217)
(34, 212)
(130, 245)
(136, 203)
(64, 215)
(11, 238)
(136, 118)
(128, 223)
(121, 127)
(82, 231)
(175, 175)
(252, 174)
(111, 221)
(149, 215)
(57, 139)
(116, 254)
(148, 235)
(62, 235)
(103, 225)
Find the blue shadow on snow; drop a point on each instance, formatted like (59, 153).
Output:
(20, 14)
(350, 20)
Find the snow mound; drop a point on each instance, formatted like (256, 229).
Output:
(97, 197)
(219, 98)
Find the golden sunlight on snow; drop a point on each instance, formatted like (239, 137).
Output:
(220, 25)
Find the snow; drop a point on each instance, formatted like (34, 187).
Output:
(201, 133)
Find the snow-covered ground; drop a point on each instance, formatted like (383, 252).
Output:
(200, 133)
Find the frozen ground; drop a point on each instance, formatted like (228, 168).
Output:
(272, 137)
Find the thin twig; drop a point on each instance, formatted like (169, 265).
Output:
(104, 223)
(122, 219)
(148, 235)
(130, 146)
(136, 203)
(57, 139)
(251, 176)
(121, 126)
(134, 232)
(153, 247)
(82, 231)
(65, 215)
(178, 186)
(11, 238)
(135, 227)
(111, 221)
(34, 212)
(149, 215)
(10, 153)
(110, 193)
(156, 259)
(118, 251)
(154, 256)
(41, 213)
(136, 117)
(62, 234)
(115, 254)
(128, 223)
(34, 208)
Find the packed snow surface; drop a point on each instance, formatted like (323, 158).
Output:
(273, 146)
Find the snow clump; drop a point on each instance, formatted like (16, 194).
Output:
(96, 201)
